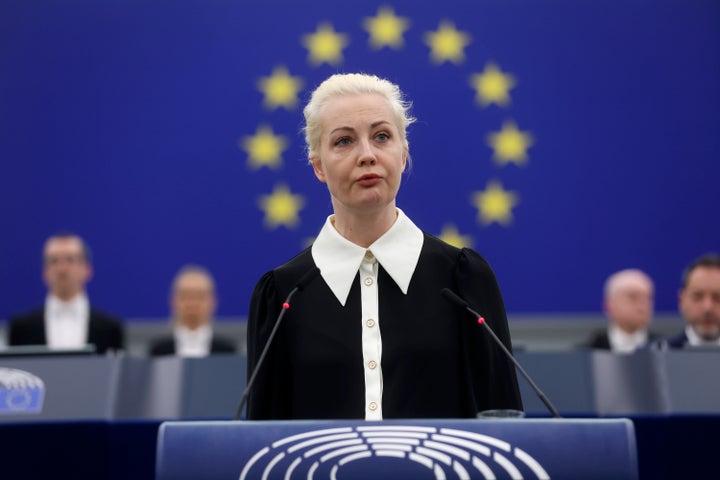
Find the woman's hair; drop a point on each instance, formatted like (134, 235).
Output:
(353, 84)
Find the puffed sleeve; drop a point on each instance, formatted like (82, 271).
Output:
(492, 373)
(268, 398)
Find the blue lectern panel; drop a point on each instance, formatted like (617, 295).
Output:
(691, 376)
(409, 449)
(565, 378)
(45, 388)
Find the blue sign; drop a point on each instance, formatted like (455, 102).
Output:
(20, 392)
(410, 449)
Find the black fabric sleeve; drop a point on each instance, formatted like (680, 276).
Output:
(270, 394)
(492, 374)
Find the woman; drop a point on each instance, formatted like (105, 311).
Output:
(372, 337)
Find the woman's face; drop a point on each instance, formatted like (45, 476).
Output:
(361, 155)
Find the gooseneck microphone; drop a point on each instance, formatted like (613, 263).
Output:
(301, 284)
(454, 298)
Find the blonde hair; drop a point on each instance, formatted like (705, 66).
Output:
(353, 84)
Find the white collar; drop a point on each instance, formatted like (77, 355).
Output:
(397, 250)
(193, 343)
(696, 340)
(201, 334)
(78, 304)
(621, 341)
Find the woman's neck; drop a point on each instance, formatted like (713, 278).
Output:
(364, 229)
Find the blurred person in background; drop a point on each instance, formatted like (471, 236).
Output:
(67, 321)
(192, 303)
(628, 304)
(699, 304)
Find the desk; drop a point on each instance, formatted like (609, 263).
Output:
(121, 387)
(669, 447)
(579, 383)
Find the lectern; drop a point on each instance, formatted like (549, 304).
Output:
(398, 449)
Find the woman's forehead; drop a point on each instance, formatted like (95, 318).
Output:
(356, 109)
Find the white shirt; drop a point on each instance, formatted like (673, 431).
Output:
(66, 323)
(339, 261)
(623, 342)
(192, 343)
(695, 340)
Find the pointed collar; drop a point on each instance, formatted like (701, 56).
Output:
(338, 259)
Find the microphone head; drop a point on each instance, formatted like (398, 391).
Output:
(453, 297)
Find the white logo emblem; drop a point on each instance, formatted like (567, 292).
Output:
(20, 391)
(444, 452)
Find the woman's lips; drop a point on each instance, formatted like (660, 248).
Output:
(369, 180)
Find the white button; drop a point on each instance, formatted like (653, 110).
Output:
(368, 281)
(372, 364)
(372, 406)
(370, 323)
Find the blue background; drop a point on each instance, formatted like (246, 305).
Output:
(120, 120)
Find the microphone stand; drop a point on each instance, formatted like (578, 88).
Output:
(452, 296)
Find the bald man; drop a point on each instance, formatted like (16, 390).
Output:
(628, 304)
(192, 302)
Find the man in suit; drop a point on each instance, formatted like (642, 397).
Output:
(628, 305)
(193, 303)
(67, 321)
(699, 304)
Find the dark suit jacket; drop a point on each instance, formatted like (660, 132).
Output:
(105, 331)
(678, 341)
(166, 346)
(599, 339)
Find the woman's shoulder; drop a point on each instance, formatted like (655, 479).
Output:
(289, 272)
(464, 257)
(296, 266)
(280, 280)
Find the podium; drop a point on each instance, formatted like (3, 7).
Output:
(398, 449)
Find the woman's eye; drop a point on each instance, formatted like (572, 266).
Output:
(342, 141)
(382, 137)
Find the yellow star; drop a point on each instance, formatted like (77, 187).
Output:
(264, 149)
(492, 86)
(495, 204)
(281, 207)
(385, 29)
(447, 43)
(325, 45)
(451, 235)
(280, 89)
(510, 144)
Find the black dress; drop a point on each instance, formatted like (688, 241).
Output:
(437, 362)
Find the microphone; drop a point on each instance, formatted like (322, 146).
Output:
(300, 285)
(454, 298)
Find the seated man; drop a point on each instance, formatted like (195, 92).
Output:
(628, 304)
(193, 303)
(699, 304)
(67, 321)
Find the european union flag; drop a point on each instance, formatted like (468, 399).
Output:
(563, 140)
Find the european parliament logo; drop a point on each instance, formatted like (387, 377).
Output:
(20, 392)
(406, 451)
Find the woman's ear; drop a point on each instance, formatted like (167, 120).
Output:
(317, 167)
